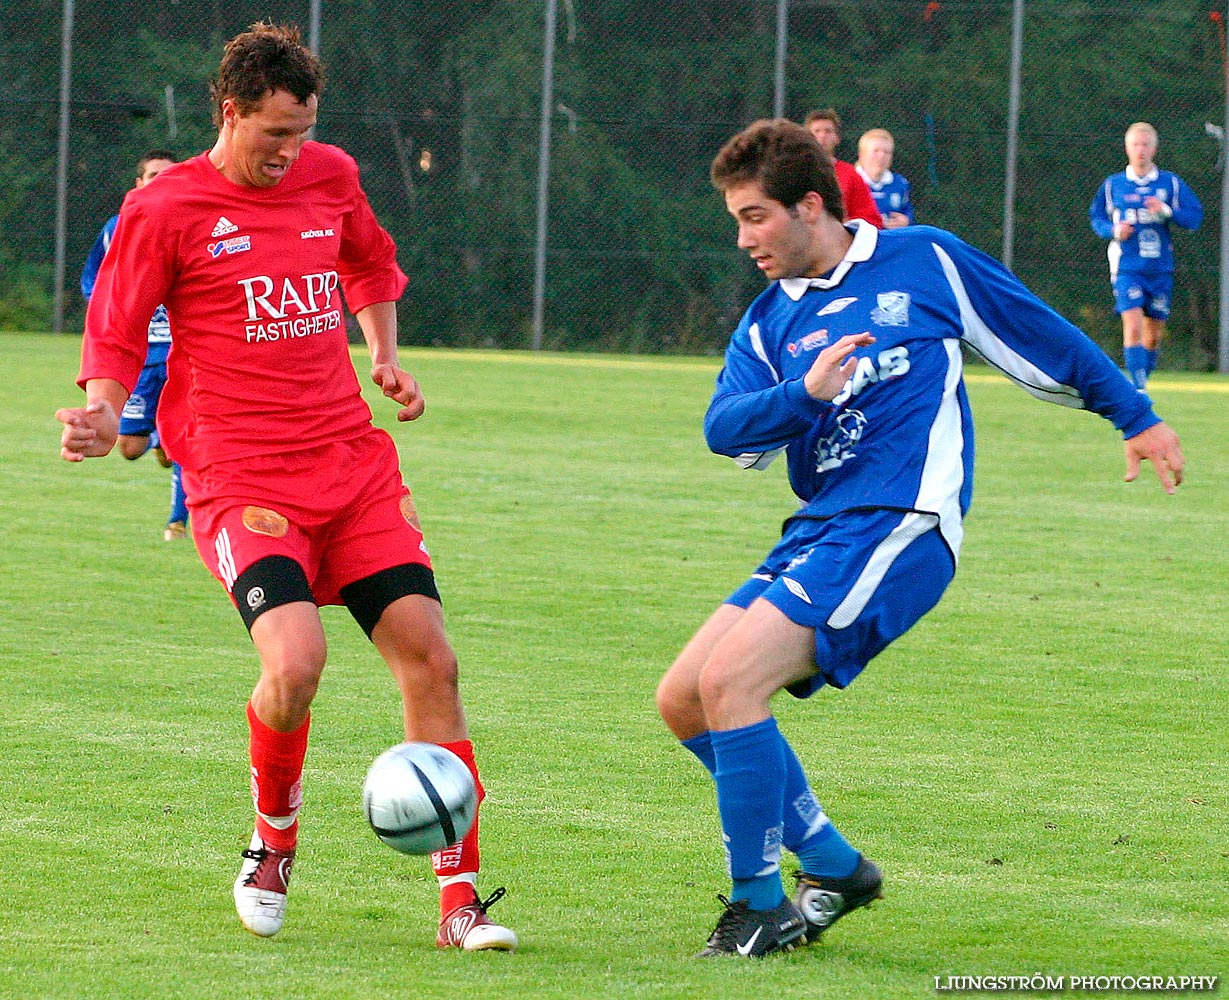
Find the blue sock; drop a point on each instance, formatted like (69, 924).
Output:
(1136, 360)
(1149, 361)
(179, 499)
(750, 779)
(821, 849)
(702, 747)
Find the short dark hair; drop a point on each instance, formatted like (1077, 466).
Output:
(823, 115)
(265, 58)
(154, 154)
(786, 161)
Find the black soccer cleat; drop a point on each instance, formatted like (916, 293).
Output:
(823, 901)
(755, 933)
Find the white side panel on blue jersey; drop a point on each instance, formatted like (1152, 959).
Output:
(990, 346)
(943, 474)
(757, 345)
(755, 459)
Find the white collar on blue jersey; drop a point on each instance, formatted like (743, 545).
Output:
(1151, 175)
(865, 238)
(885, 179)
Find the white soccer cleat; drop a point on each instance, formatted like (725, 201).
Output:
(260, 889)
(469, 928)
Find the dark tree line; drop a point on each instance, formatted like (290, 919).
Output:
(439, 103)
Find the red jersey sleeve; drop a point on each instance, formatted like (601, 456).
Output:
(859, 203)
(367, 258)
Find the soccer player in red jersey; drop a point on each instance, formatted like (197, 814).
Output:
(825, 125)
(296, 498)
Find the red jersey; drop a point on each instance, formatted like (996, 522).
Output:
(859, 203)
(253, 279)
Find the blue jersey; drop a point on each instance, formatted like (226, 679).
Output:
(1149, 250)
(900, 434)
(159, 324)
(891, 193)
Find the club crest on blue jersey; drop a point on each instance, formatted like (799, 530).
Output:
(893, 309)
(134, 408)
(838, 447)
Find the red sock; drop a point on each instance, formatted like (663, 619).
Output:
(277, 780)
(463, 858)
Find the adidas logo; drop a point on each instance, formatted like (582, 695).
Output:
(223, 227)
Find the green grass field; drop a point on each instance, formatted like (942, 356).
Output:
(1039, 767)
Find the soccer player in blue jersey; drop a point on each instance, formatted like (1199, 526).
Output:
(889, 189)
(1134, 209)
(850, 363)
(136, 428)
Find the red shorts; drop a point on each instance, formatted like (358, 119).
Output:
(341, 511)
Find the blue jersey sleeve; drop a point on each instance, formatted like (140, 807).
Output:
(754, 413)
(1099, 212)
(1016, 332)
(906, 206)
(1187, 209)
(93, 261)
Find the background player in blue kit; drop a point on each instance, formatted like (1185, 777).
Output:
(1134, 209)
(849, 362)
(136, 429)
(889, 189)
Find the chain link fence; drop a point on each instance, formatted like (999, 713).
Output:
(441, 103)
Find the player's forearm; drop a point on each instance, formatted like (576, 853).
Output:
(112, 393)
(106, 390)
(1188, 216)
(1101, 224)
(762, 420)
(378, 322)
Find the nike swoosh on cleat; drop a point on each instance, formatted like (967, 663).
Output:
(745, 949)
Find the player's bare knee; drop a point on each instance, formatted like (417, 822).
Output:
(292, 659)
(431, 672)
(715, 684)
(132, 447)
(288, 690)
(678, 704)
(727, 686)
(667, 697)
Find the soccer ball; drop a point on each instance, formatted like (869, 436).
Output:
(419, 798)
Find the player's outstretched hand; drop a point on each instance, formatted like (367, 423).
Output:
(834, 365)
(1159, 445)
(89, 431)
(402, 387)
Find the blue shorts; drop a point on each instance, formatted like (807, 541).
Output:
(860, 579)
(1150, 292)
(142, 406)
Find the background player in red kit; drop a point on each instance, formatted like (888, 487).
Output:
(296, 499)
